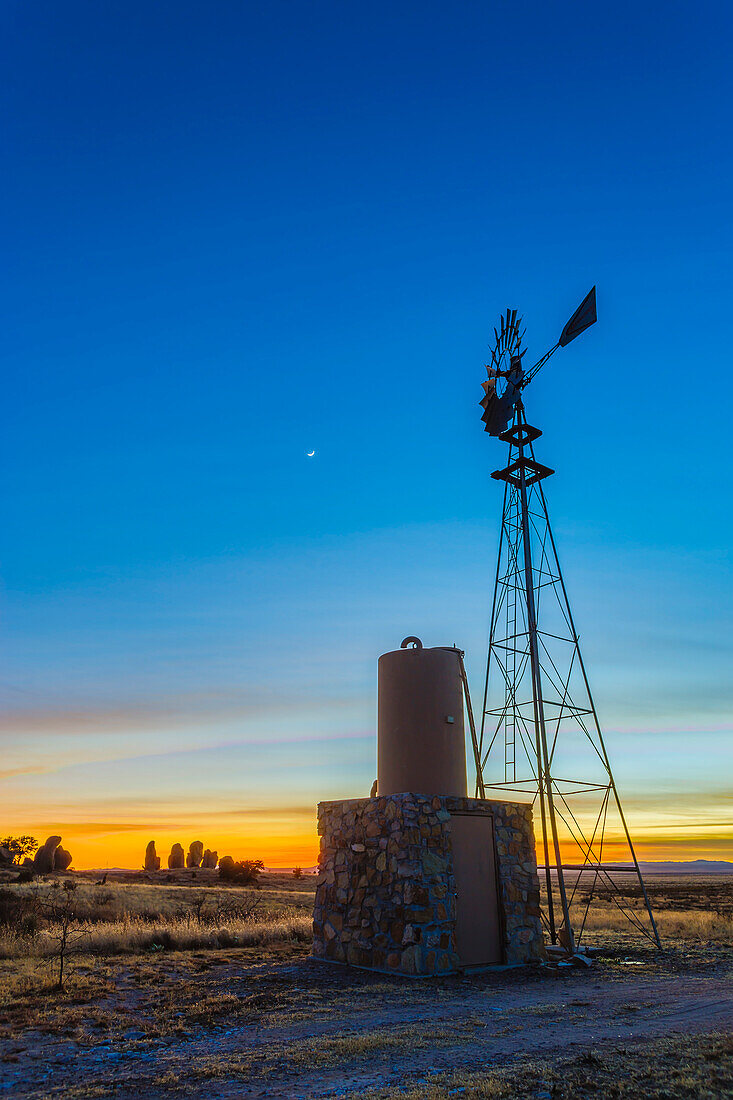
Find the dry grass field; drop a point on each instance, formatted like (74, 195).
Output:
(128, 914)
(686, 908)
(190, 989)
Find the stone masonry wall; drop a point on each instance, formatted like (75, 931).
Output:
(385, 895)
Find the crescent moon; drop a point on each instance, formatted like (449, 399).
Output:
(310, 453)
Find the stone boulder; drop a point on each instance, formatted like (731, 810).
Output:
(176, 860)
(61, 859)
(210, 859)
(43, 860)
(195, 854)
(6, 857)
(152, 859)
(226, 866)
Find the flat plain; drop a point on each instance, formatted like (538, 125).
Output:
(180, 987)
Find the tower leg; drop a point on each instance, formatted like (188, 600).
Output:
(543, 761)
(479, 765)
(597, 724)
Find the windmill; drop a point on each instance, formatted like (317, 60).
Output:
(540, 733)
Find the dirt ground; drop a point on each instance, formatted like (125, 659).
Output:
(266, 1020)
(241, 1023)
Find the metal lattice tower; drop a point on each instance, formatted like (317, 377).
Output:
(540, 733)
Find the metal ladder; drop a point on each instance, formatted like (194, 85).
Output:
(510, 707)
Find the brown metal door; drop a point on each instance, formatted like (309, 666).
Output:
(478, 929)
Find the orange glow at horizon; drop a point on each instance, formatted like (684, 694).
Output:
(278, 839)
(289, 841)
(127, 850)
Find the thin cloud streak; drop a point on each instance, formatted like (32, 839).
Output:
(88, 828)
(272, 741)
(176, 710)
(9, 773)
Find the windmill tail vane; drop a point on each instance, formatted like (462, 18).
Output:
(540, 734)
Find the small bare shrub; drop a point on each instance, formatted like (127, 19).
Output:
(209, 910)
(243, 906)
(198, 905)
(64, 932)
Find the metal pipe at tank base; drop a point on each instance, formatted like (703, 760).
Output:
(420, 733)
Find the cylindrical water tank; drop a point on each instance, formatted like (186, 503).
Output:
(420, 736)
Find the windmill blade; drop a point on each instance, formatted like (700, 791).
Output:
(584, 316)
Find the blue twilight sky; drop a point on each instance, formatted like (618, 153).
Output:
(234, 233)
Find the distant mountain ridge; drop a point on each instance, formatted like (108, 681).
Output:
(679, 867)
(690, 867)
(665, 867)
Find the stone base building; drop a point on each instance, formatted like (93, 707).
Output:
(424, 885)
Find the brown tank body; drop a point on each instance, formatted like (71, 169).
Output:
(421, 740)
